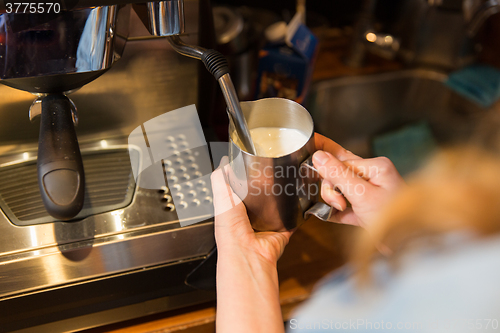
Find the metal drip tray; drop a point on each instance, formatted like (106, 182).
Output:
(123, 225)
(109, 186)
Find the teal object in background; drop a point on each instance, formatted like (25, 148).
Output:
(479, 83)
(408, 147)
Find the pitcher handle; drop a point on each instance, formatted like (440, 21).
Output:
(319, 209)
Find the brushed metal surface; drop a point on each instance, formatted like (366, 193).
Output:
(166, 18)
(57, 265)
(236, 114)
(274, 190)
(38, 54)
(150, 79)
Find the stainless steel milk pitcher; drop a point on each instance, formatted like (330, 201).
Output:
(279, 192)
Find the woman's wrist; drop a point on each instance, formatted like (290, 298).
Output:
(235, 256)
(243, 275)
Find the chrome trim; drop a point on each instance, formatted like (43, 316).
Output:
(109, 36)
(73, 42)
(477, 12)
(180, 47)
(234, 109)
(166, 18)
(36, 108)
(57, 265)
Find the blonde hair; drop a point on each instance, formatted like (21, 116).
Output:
(458, 190)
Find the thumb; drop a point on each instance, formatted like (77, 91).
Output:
(228, 207)
(224, 197)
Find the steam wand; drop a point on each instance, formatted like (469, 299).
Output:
(217, 65)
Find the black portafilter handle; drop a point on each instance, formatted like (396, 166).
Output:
(60, 170)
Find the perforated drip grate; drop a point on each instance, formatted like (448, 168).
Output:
(109, 185)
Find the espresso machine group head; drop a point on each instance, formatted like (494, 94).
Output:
(53, 53)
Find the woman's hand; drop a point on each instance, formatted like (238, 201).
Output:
(233, 231)
(367, 184)
(247, 279)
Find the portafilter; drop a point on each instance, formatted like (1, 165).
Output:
(51, 54)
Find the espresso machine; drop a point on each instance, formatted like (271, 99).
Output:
(83, 241)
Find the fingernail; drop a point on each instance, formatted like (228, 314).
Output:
(337, 206)
(328, 187)
(320, 157)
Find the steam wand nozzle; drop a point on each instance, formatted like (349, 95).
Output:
(217, 65)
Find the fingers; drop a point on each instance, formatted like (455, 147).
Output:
(342, 177)
(379, 171)
(346, 217)
(323, 143)
(230, 213)
(232, 226)
(332, 197)
(224, 197)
